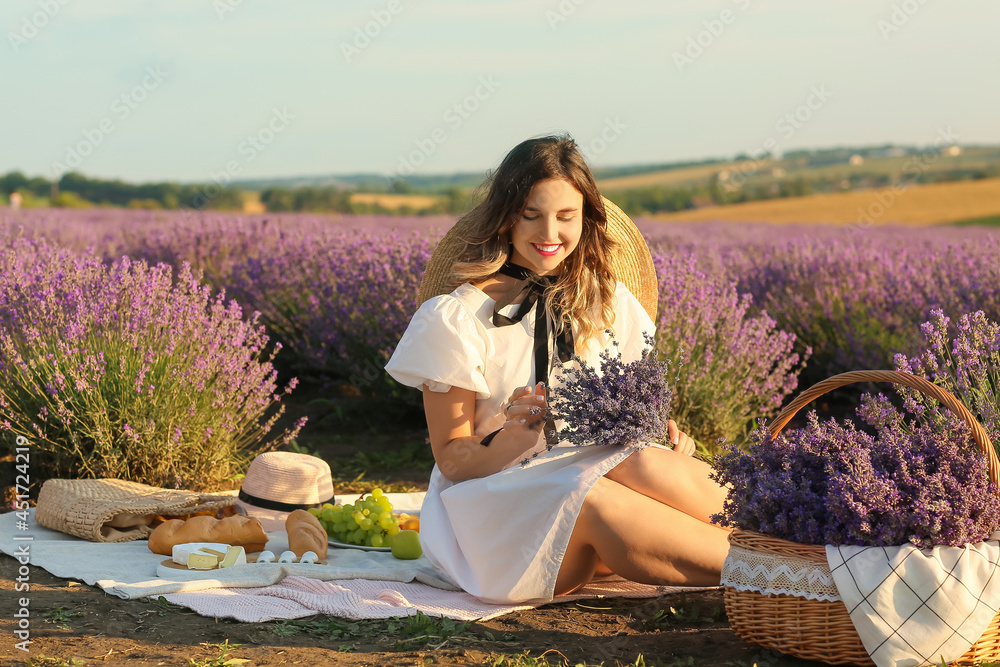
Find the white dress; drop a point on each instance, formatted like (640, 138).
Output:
(502, 537)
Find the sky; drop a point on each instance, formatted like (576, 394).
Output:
(198, 90)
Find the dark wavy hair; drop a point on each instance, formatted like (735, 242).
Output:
(584, 289)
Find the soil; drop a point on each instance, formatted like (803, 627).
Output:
(69, 619)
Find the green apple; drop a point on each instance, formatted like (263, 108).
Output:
(406, 545)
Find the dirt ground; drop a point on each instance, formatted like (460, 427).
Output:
(70, 620)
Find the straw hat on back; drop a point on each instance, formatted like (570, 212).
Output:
(633, 265)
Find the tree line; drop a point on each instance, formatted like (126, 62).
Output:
(75, 190)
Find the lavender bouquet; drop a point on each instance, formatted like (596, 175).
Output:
(828, 483)
(623, 404)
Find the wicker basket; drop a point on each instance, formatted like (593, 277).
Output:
(115, 510)
(822, 630)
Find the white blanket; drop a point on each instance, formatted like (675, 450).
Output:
(362, 584)
(918, 606)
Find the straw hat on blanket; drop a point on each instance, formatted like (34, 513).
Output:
(278, 483)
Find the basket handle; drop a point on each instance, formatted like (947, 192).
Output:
(908, 380)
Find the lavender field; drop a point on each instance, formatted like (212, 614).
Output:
(747, 313)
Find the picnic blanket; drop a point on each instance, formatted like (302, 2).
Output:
(353, 584)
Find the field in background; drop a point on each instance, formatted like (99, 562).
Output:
(395, 201)
(767, 170)
(915, 205)
(672, 177)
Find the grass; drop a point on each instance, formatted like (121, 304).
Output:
(684, 615)
(60, 617)
(351, 475)
(223, 660)
(527, 660)
(50, 661)
(936, 203)
(411, 456)
(427, 629)
(365, 453)
(407, 633)
(990, 221)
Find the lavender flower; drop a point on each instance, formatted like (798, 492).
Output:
(967, 365)
(833, 484)
(623, 404)
(130, 371)
(731, 362)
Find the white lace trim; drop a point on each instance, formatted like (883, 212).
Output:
(754, 571)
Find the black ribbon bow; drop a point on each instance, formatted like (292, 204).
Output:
(535, 297)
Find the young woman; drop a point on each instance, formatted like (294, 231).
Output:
(531, 275)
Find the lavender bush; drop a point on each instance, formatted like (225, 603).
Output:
(128, 371)
(834, 484)
(854, 297)
(966, 364)
(621, 404)
(339, 301)
(337, 298)
(730, 363)
(337, 293)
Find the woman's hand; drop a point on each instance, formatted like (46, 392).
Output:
(525, 409)
(683, 444)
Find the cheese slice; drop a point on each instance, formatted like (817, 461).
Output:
(200, 560)
(235, 556)
(180, 553)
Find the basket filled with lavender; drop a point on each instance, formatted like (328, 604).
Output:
(866, 546)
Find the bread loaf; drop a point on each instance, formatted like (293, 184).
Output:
(237, 531)
(305, 533)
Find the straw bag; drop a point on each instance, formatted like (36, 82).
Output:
(115, 510)
(818, 629)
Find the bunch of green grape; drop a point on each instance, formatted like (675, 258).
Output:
(368, 522)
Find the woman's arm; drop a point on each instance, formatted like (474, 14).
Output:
(458, 453)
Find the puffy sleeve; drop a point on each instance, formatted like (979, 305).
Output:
(442, 347)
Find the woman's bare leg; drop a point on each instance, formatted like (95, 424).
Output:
(640, 539)
(674, 479)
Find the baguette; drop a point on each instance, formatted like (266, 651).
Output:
(237, 531)
(305, 533)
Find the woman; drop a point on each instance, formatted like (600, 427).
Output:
(505, 517)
